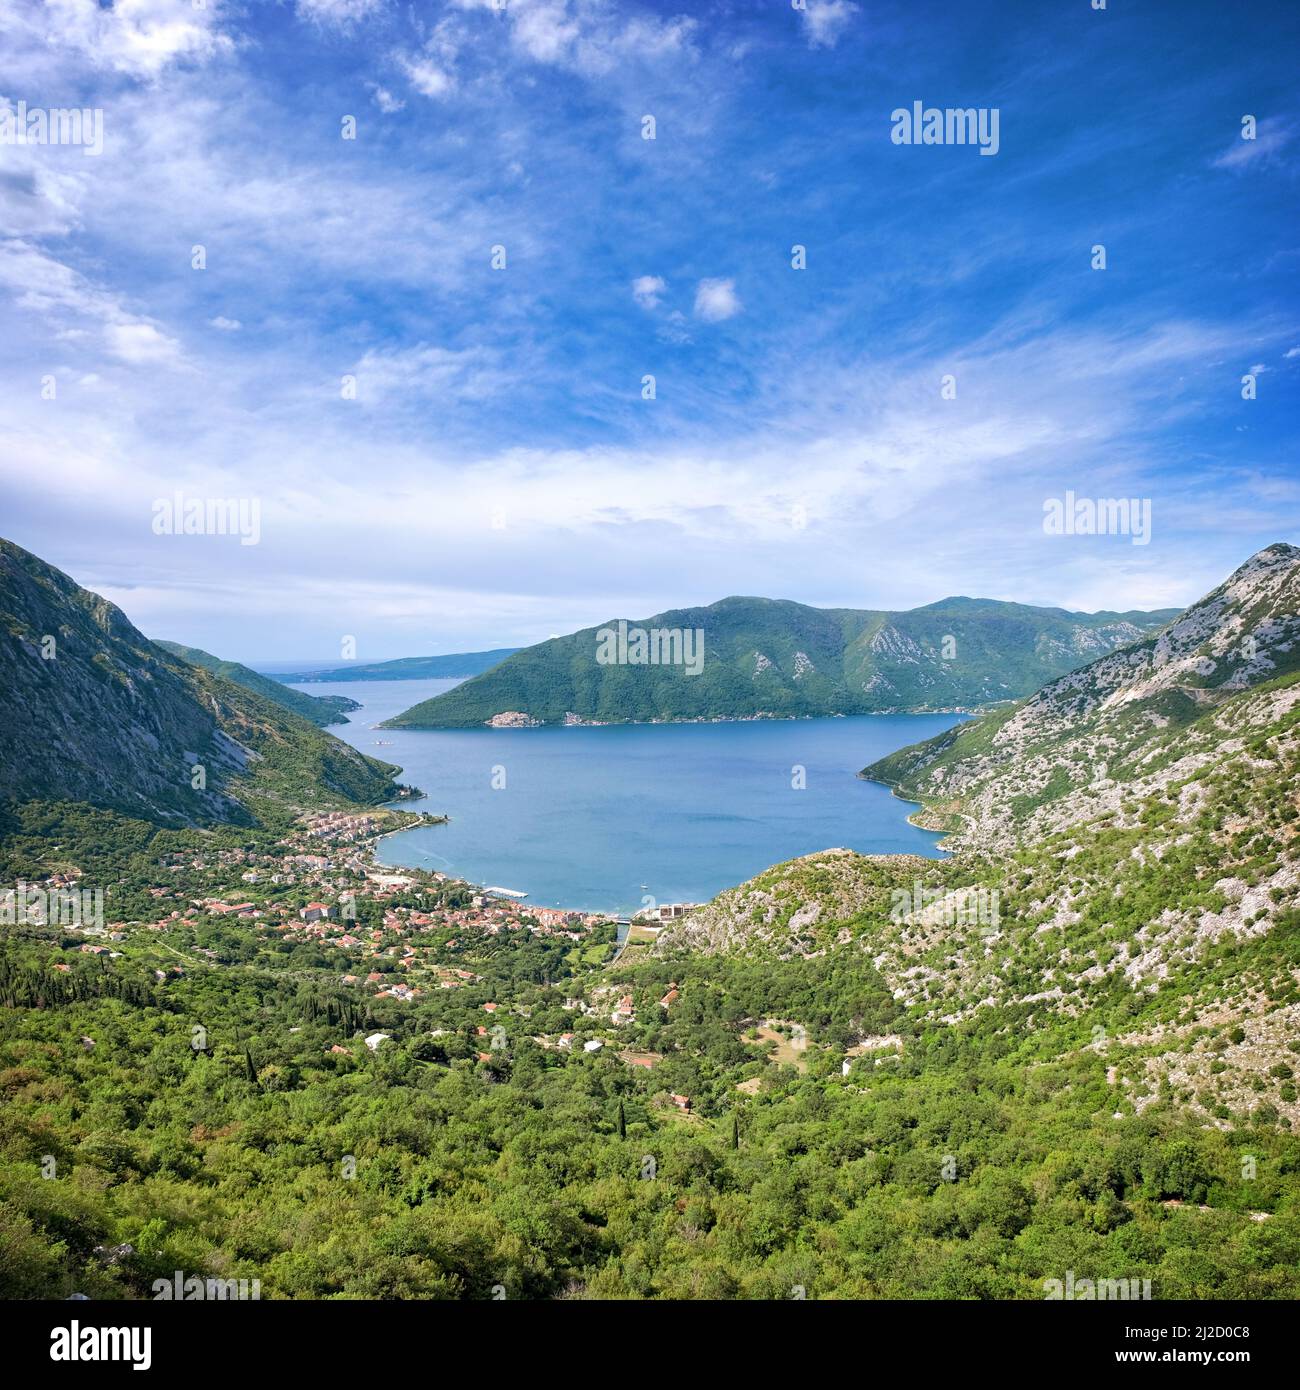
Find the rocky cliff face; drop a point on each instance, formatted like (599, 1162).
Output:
(1132, 721)
(802, 907)
(92, 711)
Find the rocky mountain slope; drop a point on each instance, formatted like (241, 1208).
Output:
(769, 657)
(94, 712)
(1127, 881)
(1134, 721)
(321, 710)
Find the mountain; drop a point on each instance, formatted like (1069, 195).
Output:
(1062, 1062)
(321, 710)
(94, 712)
(774, 658)
(1134, 721)
(408, 668)
(1125, 890)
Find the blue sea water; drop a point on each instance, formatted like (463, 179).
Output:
(602, 818)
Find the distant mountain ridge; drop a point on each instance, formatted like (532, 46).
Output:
(94, 712)
(321, 710)
(776, 658)
(405, 668)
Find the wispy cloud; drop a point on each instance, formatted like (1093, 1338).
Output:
(337, 13)
(422, 373)
(500, 474)
(70, 302)
(1271, 137)
(385, 100)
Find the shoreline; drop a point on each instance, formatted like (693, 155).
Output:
(404, 807)
(581, 722)
(372, 848)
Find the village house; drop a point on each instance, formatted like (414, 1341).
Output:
(623, 1011)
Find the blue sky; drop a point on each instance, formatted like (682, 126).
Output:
(499, 476)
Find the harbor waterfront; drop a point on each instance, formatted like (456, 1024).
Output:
(619, 818)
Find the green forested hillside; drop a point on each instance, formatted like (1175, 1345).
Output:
(1069, 1051)
(320, 710)
(972, 1158)
(769, 657)
(93, 711)
(407, 668)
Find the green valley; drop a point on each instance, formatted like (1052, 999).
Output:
(1069, 1050)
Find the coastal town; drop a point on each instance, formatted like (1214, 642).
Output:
(317, 896)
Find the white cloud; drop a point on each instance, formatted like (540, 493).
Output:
(39, 198)
(136, 37)
(1271, 135)
(825, 20)
(226, 325)
(423, 372)
(141, 344)
(41, 283)
(432, 71)
(716, 300)
(385, 100)
(646, 290)
(587, 37)
(674, 329)
(61, 296)
(427, 77)
(1291, 352)
(338, 14)
(544, 29)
